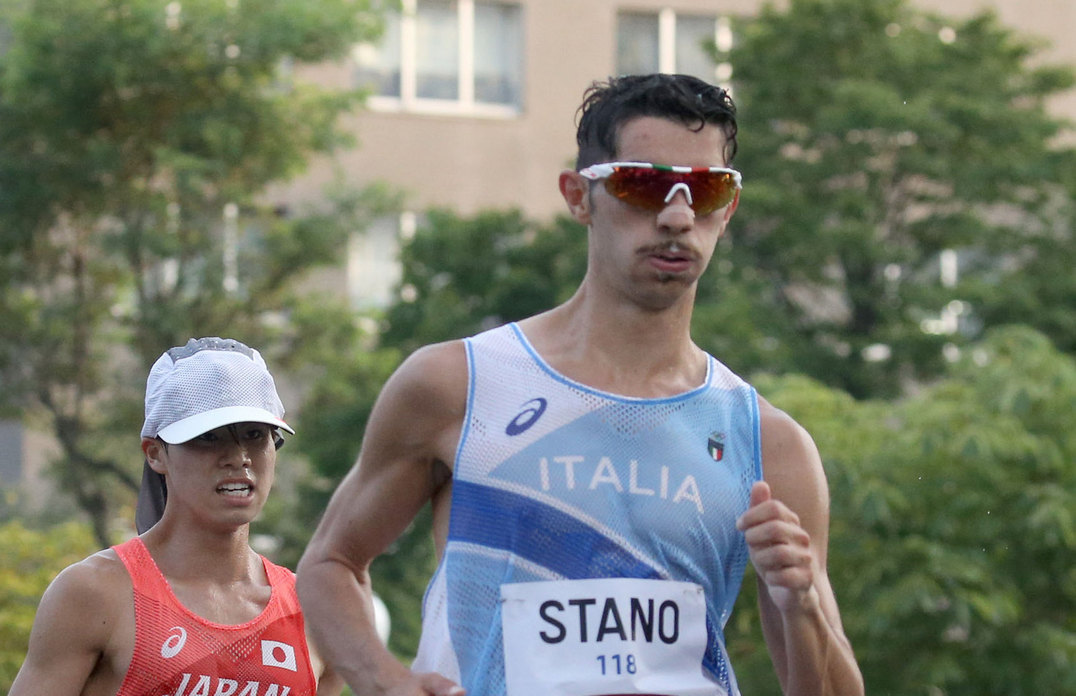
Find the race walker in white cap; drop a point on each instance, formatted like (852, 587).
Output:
(193, 389)
(211, 615)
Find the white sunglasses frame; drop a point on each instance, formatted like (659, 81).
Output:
(602, 170)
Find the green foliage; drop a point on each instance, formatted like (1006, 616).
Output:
(109, 104)
(342, 373)
(400, 577)
(32, 558)
(953, 525)
(460, 275)
(875, 136)
(135, 140)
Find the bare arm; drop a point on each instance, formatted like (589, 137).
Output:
(329, 682)
(83, 633)
(787, 529)
(410, 440)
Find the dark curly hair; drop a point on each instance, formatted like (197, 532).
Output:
(609, 105)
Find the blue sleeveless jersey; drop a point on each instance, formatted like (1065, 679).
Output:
(554, 480)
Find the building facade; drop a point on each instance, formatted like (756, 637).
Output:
(473, 102)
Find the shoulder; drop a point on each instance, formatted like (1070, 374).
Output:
(782, 436)
(90, 599)
(84, 626)
(435, 362)
(434, 376)
(419, 411)
(791, 463)
(278, 574)
(101, 577)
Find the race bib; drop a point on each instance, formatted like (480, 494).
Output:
(605, 636)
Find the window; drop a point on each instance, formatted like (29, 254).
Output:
(437, 50)
(373, 266)
(446, 56)
(377, 67)
(670, 42)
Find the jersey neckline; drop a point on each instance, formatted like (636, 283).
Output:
(548, 369)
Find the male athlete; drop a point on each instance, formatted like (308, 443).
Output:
(598, 481)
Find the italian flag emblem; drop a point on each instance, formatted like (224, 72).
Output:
(716, 446)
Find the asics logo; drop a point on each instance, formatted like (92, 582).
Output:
(175, 642)
(532, 411)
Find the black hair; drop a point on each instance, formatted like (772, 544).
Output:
(610, 104)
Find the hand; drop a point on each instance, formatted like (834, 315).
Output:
(780, 550)
(407, 683)
(434, 684)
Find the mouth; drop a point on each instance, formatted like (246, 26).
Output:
(236, 489)
(671, 257)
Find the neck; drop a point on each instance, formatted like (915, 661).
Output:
(619, 347)
(193, 551)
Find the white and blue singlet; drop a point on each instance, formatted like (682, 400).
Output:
(555, 482)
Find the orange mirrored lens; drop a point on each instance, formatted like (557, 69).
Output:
(711, 190)
(648, 188)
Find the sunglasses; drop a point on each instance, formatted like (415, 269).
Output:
(653, 186)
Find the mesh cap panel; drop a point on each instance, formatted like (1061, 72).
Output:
(208, 383)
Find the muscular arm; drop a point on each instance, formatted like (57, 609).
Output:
(411, 436)
(329, 682)
(83, 633)
(787, 529)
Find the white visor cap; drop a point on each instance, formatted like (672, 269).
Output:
(206, 384)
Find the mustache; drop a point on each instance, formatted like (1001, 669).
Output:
(671, 248)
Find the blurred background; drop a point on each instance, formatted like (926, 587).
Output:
(337, 182)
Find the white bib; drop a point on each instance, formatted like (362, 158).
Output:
(605, 636)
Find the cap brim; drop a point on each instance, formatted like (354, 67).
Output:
(191, 427)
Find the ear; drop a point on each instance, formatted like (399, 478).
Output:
(576, 191)
(154, 450)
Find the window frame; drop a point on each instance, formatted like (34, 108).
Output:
(465, 103)
(667, 42)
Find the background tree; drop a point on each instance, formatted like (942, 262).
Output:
(464, 274)
(135, 138)
(345, 370)
(953, 525)
(879, 142)
(31, 560)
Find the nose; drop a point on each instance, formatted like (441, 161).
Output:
(235, 454)
(677, 216)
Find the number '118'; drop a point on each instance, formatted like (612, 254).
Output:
(617, 664)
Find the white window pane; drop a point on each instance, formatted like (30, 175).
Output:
(636, 43)
(437, 50)
(373, 267)
(498, 53)
(377, 66)
(695, 37)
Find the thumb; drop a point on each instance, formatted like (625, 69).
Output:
(760, 493)
(440, 686)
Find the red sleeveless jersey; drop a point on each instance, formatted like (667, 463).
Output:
(178, 653)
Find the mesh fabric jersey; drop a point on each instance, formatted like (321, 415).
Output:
(179, 653)
(554, 480)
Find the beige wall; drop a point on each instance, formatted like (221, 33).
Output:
(469, 163)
